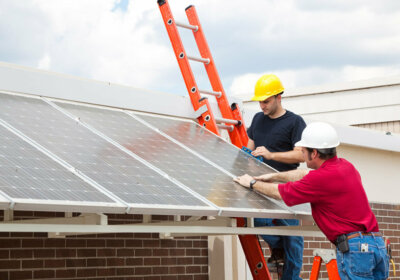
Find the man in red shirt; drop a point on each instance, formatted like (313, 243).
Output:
(338, 201)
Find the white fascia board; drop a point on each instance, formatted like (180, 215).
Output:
(19, 79)
(352, 135)
(202, 230)
(346, 86)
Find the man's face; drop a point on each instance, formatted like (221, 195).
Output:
(269, 106)
(309, 157)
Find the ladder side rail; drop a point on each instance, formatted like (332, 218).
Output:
(316, 268)
(333, 272)
(206, 119)
(237, 136)
(254, 255)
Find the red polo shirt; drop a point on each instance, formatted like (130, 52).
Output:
(338, 201)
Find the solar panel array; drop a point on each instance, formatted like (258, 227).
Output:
(58, 155)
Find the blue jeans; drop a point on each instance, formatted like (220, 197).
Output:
(357, 264)
(292, 246)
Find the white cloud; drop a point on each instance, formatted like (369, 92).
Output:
(306, 42)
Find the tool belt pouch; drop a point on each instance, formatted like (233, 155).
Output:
(342, 243)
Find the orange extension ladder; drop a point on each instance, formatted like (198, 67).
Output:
(231, 117)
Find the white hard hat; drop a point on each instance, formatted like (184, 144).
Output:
(319, 135)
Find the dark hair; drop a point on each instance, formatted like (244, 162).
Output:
(323, 153)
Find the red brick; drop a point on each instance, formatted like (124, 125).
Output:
(176, 269)
(44, 253)
(66, 253)
(75, 262)
(17, 275)
(163, 270)
(200, 260)
(66, 273)
(142, 235)
(10, 243)
(77, 243)
(185, 277)
(106, 272)
(143, 252)
(142, 270)
(86, 253)
(54, 263)
(152, 261)
(54, 242)
(10, 264)
(106, 252)
(193, 269)
(160, 252)
(176, 252)
(134, 243)
(168, 243)
(184, 261)
(96, 243)
(151, 243)
(125, 271)
(200, 277)
(5, 254)
(134, 261)
(32, 243)
(91, 272)
(114, 243)
(44, 274)
(168, 261)
(95, 262)
(21, 254)
(185, 243)
(115, 261)
(32, 264)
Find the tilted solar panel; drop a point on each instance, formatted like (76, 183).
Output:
(177, 162)
(29, 177)
(129, 179)
(215, 149)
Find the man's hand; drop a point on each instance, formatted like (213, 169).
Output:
(244, 180)
(266, 177)
(262, 151)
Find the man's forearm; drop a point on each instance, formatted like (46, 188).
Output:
(269, 189)
(288, 157)
(289, 176)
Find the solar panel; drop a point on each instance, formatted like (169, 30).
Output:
(216, 150)
(198, 175)
(28, 176)
(118, 172)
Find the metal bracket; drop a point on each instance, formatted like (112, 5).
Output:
(326, 254)
(200, 111)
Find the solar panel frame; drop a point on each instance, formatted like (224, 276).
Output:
(141, 208)
(59, 205)
(76, 112)
(303, 210)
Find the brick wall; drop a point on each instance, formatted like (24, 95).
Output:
(137, 256)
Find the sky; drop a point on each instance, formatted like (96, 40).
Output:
(304, 42)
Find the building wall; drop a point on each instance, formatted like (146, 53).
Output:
(133, 256)
(392, 127)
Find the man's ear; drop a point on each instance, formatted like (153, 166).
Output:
(314, 154)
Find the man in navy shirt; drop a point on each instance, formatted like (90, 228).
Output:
(272, 135)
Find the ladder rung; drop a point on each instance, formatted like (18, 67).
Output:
(187, 26)
(199, 59)
(222, 120)
(228, 127)
(215, 93)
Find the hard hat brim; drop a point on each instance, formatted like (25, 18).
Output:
(264, 97)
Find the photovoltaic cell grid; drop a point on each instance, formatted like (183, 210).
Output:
(208, 145)
(166, 155)
(215, 149)
(113, 169)
(27, 173)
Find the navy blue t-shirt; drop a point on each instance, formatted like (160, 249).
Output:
(277, 135)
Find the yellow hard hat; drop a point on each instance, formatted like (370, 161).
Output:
(268, 85)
